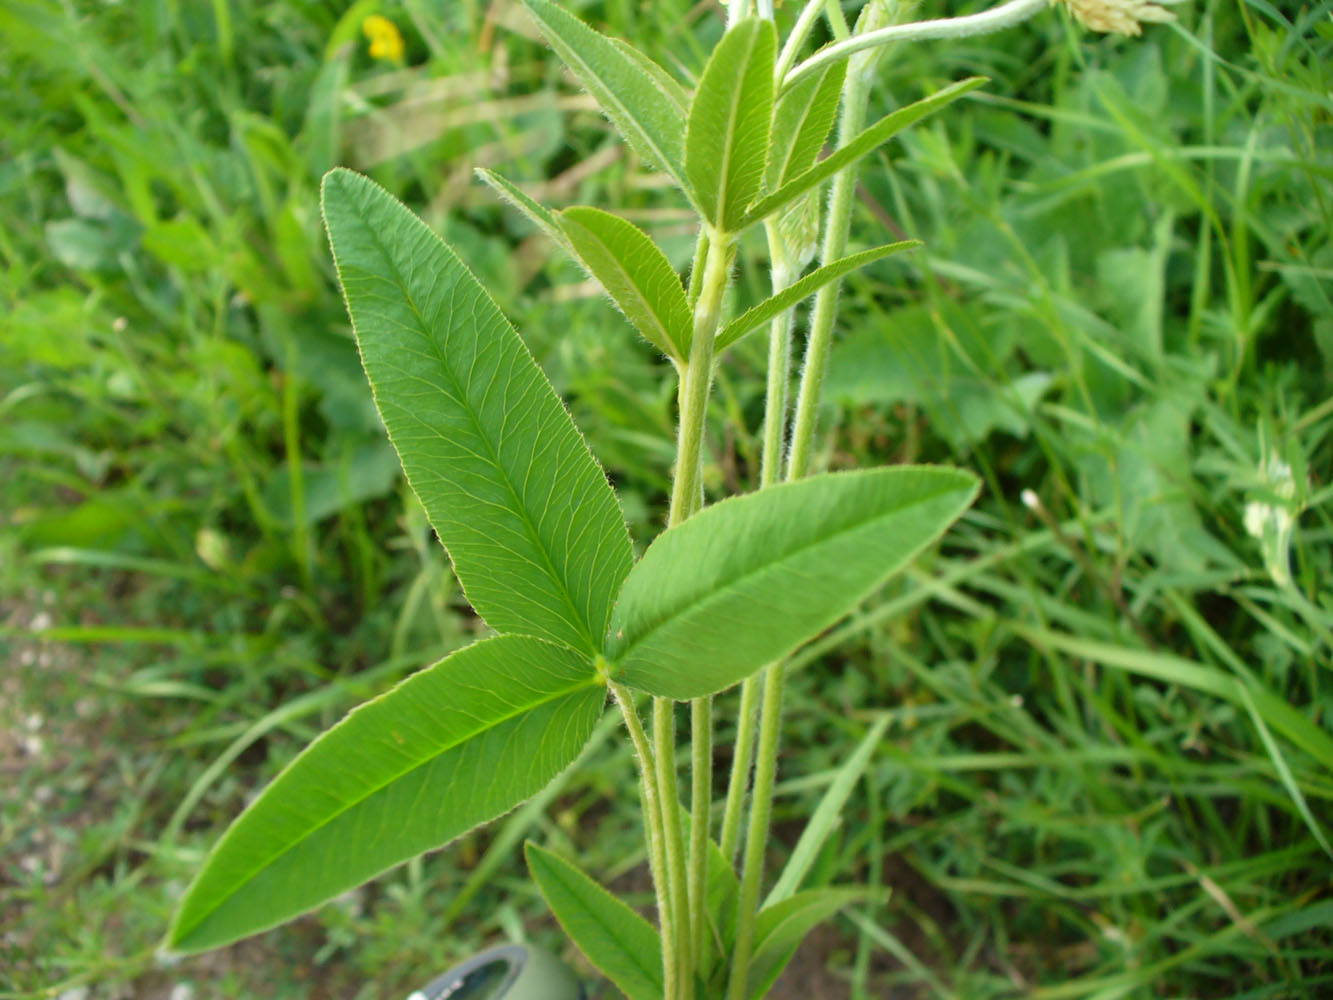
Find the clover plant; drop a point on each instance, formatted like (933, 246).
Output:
(539, 543)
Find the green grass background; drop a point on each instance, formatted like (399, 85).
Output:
(1107, 765)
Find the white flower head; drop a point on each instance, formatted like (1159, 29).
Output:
(1272, 518)
(1121, 17)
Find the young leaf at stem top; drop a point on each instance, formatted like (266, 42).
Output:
(450, 747)
(747, 580)
(801, 122)
(731, 117)
(645, 113)
(526, 513)
(636, 275)
(868, 141)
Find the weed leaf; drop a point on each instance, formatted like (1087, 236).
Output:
(532, 526)
(646, 115)
(452, 746)
(794, 293)
(868, 141)
(726, 141)
(746, 581)
(623, 945)
(801, 122)
(635, 273)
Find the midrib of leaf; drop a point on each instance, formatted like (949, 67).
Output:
(638, 286)
(732, 115)
(789, 554)
(480, 728)
(493, 458)
(611, 931)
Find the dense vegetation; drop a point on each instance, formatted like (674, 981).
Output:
(1106, 765)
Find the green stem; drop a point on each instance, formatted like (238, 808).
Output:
(701, 804)
(1006, 15)
(688, 891)
(697, 268)
(856, 93)
(756, 838)
(800, 31)
(679, 953)
(697, 378)
(770, 471)
(855, 97)
(653, 831)
(738, 783)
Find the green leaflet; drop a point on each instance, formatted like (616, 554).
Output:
(452, 746)
(801, 122)
(867, 142)
(623, 945)
(777, 304)
(636, 275)
(632, 97)
(538, 214)
(779, 930)
(726, 140)
(747, 580)
(532, 526)
(673, 89)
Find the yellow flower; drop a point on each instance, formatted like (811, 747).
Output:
(386, 42)
(1120, 16)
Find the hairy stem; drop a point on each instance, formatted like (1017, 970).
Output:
(855, 97)
(1006, 15)
(688, 890)
(856, 92)
(770, 471)
(800, 31)
(679, 953)
(701, 804)
(756, 839)
(697, 378)
(653, 831)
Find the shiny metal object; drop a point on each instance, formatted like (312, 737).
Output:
(509, 972)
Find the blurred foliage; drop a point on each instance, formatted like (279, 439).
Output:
(1108, 766)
